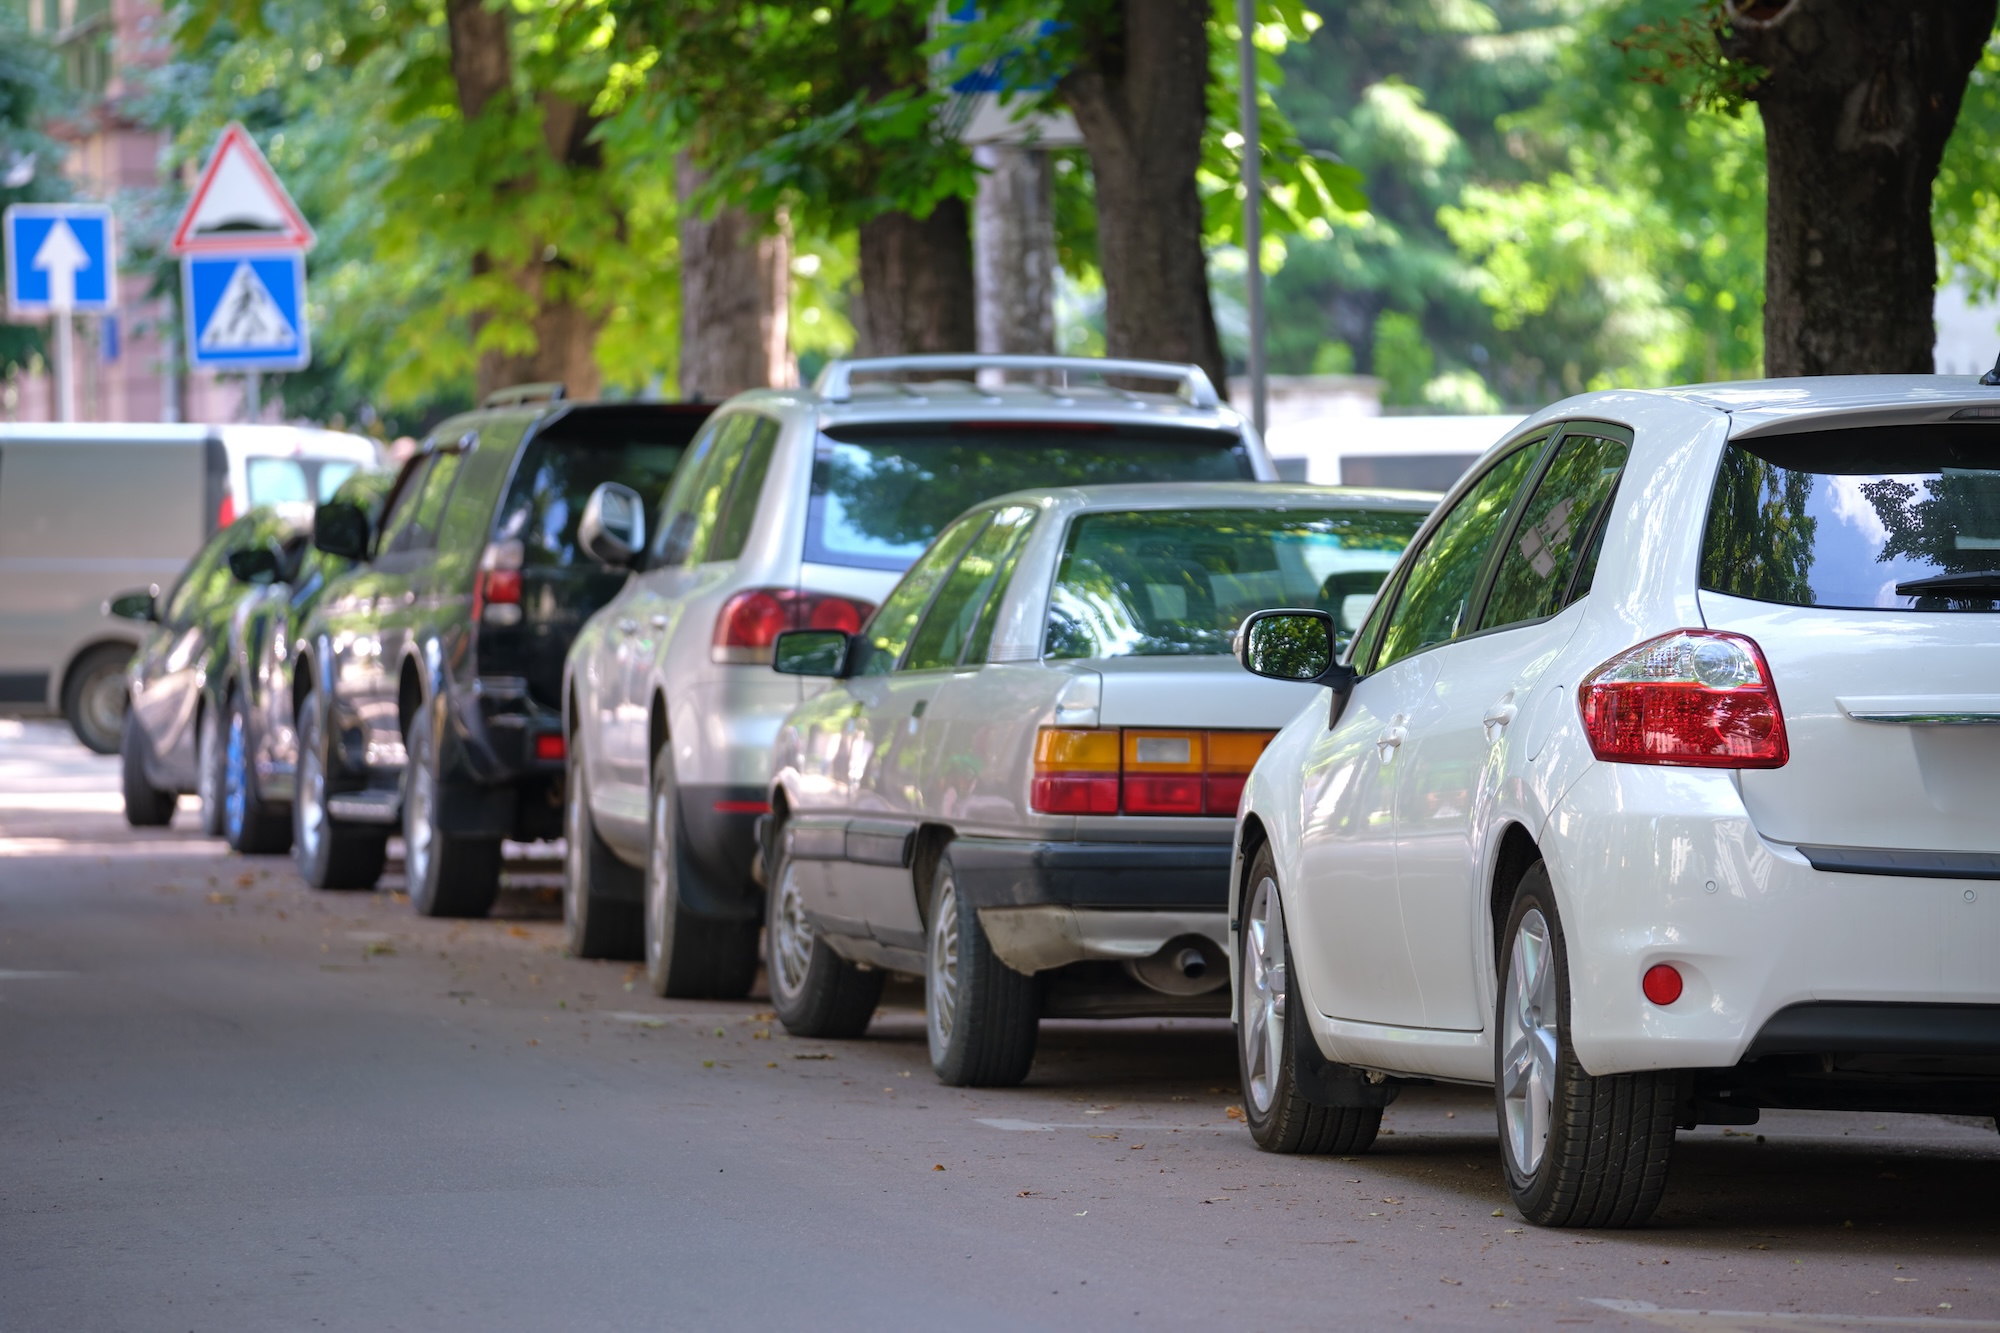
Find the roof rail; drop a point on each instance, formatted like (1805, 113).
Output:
(515, 395)
(835, 382)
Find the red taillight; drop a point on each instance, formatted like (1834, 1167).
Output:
(496, 590)
(1661, 984)
(742, 807)
(1111, 771)
(225, 513)
(549, 745)
(1695, 697)
(753, 619)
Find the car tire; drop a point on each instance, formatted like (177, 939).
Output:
(328, 855)
(146, 806)
(815, 991)
(208, 760)
(688, 956)
(250, 825)
(982, 1017)
(604, 912)
(95, 698)
(448, 876)
(1578, 1150)
(1270, 1036)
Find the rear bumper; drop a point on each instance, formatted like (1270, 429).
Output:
(1780, 959)
(1011, 872)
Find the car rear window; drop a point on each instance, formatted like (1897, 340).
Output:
(572, 457)
(880, 493)
(1168, 582)
(1888, 518)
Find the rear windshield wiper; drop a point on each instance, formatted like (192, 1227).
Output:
(1974, 583)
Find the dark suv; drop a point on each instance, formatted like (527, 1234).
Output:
(427, 684)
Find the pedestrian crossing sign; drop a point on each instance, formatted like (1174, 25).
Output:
(246, 311)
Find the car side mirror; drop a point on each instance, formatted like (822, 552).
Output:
(341, 528)
(1296, 645)
(254, 564)
(612, 530)
(140, 605)
(810, 652)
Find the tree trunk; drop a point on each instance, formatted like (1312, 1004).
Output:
(1859, 99)
(1141, 101)
(735, 290)
(1014, 255)
(565, 331)
(916, 283)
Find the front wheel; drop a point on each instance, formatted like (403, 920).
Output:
(328, 855)
(816, 992)
(208, 761)
(688, 956)
(1579, 1150)
(447, 876)
(1271, 1033)
(603, 907)
(982, 1017)
(95, 697)
(251, 826)
(146, 806)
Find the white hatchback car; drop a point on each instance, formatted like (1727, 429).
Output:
(797, 509)
(1022, 782)
(1658, 788)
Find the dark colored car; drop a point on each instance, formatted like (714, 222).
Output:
(172, 740)
(259, 743)
(427, 684)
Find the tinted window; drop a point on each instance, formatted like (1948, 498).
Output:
(880, 493)
(697, 498)
(558, 471)
(941, 638)
(1165, 582)
(1559, 523)
(888, 631)
(732, 528)
(200, 574)
(1847, 518)
(981, 641)
(430, 505)
(1445, 575)
(403, 505)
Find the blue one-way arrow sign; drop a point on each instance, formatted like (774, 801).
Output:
(60, 258)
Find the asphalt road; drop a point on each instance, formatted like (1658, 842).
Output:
(227, 1101)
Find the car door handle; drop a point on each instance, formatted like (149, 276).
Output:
(628, 626)
(1390, 741)
(1497, 717)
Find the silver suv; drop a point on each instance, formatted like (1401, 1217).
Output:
(800, 509)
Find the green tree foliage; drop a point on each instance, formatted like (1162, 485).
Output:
(31, 92)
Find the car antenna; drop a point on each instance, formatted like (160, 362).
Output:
(1991, 378)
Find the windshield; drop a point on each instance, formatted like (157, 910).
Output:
(1152, 583)
(880, 493)
(1894, 518)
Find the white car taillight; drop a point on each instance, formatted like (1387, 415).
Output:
(1696, 697)
(496, 593)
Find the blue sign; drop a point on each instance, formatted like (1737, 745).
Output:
(246, 311)
(60, 257)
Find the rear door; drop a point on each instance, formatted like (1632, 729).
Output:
(172, 658)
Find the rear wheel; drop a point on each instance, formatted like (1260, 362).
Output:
(328, 855)
(982, 1017)
(208, 761)
(95, 699)
(688, 956)
(1579, 1151)
(816, 992)
(604, 914)
(251, 826)
(146, 806)
(1270, 1037)
(448, 876)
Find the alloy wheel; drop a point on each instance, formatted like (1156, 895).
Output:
(102, 704)
(659, 856)
(208, 741)
(941, 1014)
(791, 935)
(1529, 1036)
(575, 863)
(312, 790)
(1265, 983)
(418, 827)
(235, 776)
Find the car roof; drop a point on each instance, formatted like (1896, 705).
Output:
(1779, 406)
(1219, 495)
(959, 400)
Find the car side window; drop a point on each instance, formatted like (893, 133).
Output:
(888, 631)
(422, 532)
(1557, 526)
(403, 510)
(732, 526)
(672, 536)
(981, 642)
(946, 625)
(198, 575)
(1443, 578)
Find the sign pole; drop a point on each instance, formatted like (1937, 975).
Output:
(1253, 198)
(65, 367)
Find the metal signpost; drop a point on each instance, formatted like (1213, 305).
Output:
(1253, 218)
(242, 243)
(62, 260)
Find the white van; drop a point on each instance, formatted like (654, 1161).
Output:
(1419, 453)
(93, 510)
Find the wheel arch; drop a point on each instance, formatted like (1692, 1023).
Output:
(927, 848)
(658, 729)
(410, 694)
(1517, 853)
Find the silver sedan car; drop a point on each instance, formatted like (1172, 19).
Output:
(1022, 782)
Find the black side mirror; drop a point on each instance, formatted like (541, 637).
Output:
(612, 530)
(254, 564)
(134, 606)
(810, 652)
(341, 527)
(1295, 645)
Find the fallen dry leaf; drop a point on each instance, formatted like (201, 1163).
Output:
(938, 1167)
(813, 1055)
(1233, 1112)
(519, 933)
(222, 899)
(245, 880)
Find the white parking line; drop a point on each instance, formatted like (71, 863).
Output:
(7, 975)
(1743, 1321)
(1046, 1127)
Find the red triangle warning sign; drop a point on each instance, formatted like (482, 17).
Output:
(240, 204)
